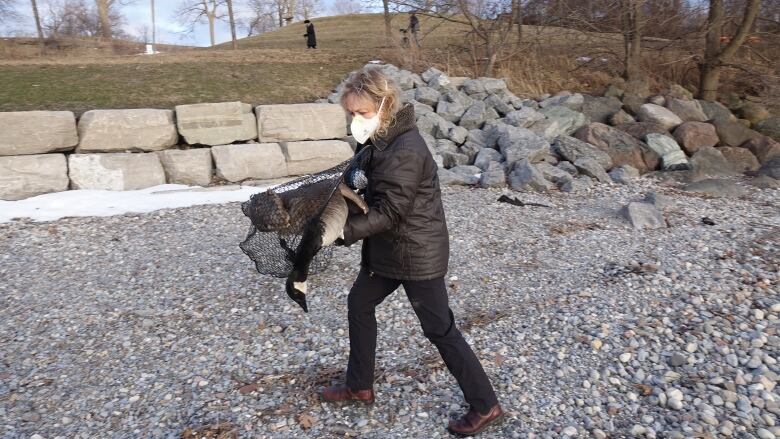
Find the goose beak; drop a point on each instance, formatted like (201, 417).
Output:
(293, 290)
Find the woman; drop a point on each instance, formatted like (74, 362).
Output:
(311, 37)
(405, 242)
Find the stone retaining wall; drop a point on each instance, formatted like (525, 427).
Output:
(51, 151)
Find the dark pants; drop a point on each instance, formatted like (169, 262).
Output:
(430, 303)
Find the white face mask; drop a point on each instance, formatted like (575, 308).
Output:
(363, 128)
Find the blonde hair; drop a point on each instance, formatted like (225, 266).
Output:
(370, 83)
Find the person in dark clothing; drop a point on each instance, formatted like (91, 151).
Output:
(311, 38)
(405, 242)
(414, 28)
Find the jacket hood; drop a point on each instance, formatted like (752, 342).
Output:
(403, 121)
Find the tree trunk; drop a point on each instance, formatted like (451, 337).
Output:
(105, 22)
(714, 55)
(388, 32)
(37, 17)
(232, 24)
(211, 29)
(154, 30)
(632, 39)
(517, 14)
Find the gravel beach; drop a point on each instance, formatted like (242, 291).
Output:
(155, 325)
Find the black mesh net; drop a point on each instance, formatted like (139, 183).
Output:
(280, 215)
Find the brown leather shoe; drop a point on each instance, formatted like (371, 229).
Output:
(343, 393)
(472, 422)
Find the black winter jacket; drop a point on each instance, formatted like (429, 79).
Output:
(404, 233)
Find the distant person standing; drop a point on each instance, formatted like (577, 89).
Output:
(311, 38)
(414, 28)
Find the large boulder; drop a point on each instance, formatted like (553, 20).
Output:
(709, 162)
(259, 161)
(601, 109)
(763, 148)
(687, 110)
(770, 127)
(741, 159)
(694, 135)
(471, 150)
(467, 175)
(644, 216)
(499, 105)
(525, 176)
(37, 132)
(657, 114)
(216, 124)
(188, 166)
(590, 167)
(567, 120)
(771, 168)
(474, 116)
(420, 108)
(472, 86)
(427, 96)
(640, 130)
(572, 101)
(115, 171)
(621, 147)
(493, 177)
(520, 143)
(523, 117)
(552, 173)
(485, 157)
(621, 118)
(126, 130)
(450, 110)
(26, 176)
(458, 134)
(715, 111)
(572, 149)
(734, 133)
(672, 156)
(294, 122)
(314, 156)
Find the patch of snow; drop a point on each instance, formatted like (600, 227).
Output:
(80, 203)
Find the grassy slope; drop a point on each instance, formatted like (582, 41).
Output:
(250, 76)
(270, 68)
(274, 67)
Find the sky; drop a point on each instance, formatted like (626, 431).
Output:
(138, 13)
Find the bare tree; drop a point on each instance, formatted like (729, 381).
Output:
(262, 18)
(487, 23)
(386, 13)
(192, 12)
(38, 27)
(7, 12)
(232, 24)
(716, 56)
(105, 23)
(154, 29)
(72, 18)
(307, 8)
(633, 23)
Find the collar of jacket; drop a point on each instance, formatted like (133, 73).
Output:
(403, 121)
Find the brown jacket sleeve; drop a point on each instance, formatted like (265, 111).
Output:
(394, 185)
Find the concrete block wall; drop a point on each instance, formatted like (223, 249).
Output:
(51, 151)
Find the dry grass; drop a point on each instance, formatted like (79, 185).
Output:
(276, 67)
